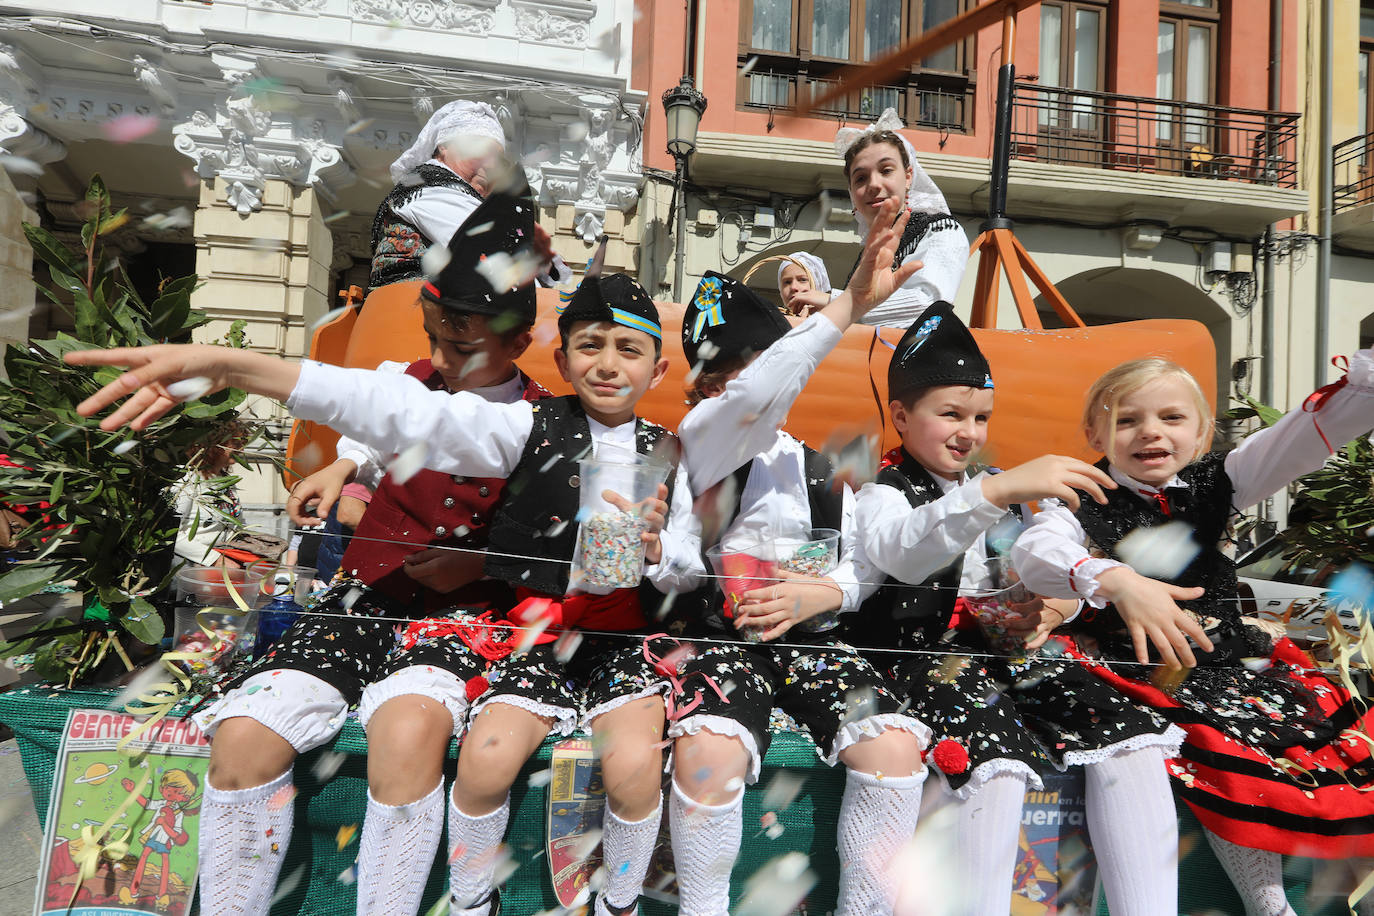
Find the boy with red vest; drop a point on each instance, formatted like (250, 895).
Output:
(417, 550)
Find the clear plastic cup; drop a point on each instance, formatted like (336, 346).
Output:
(610, 544)
(294, 582)
(743, 568)
(204, 602)
(994, 608)
(816, 555)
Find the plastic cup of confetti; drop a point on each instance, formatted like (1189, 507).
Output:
(204, 603)
(615, 485)
(995, 607)
(741, 568)
(815, 556)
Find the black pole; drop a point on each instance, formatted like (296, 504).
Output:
(1001, 151)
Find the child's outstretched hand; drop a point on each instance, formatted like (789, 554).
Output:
(808, 301)
(156, 371)
(874, 279)
(1038, 618)
(1151, 613)
(653, 510)
(775, 609)
(1046, 476)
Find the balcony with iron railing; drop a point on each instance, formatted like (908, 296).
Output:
(1352, 173)
(1133, 134)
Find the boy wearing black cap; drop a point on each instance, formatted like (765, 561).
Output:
(611, 355)
(413, 558)
(926, 522)
(751, 366)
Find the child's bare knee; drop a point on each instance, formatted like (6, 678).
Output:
(710, 768)
(895, 752)
(245, 753)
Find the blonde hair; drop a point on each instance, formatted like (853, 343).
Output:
(1105, 396)
(182, 779)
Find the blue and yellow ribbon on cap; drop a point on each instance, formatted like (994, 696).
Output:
(638, 322)
(707, 304)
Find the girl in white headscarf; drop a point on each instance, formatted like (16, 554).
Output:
(803, 283)
(879, 163)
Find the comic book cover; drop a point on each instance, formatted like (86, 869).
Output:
(156, 874)
(577, 804)
(1055, 869)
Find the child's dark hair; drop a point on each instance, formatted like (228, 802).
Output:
(507, 327)
(870, 139)
(717, 375)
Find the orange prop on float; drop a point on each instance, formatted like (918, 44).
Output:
(1041, 375)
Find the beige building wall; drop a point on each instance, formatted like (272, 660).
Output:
(17, 290)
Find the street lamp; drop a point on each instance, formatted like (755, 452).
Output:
(683, 105)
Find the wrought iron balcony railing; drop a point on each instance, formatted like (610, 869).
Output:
(1128, 133)
(1352, 172)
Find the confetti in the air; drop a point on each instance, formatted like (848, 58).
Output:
(18, 165)
(327, 765)
(125, 447)
(1161, 552)
(345, 835)
(327, 317)
(188, 389)
(358, 126)
(434, 260)
(782, 791)
(335, 217)
(175, 218)
(411, 460)
(1354, 585)
(540, 778)
(777, 888)
(287, 886)
(506, 272)
(128, 128)
(349, 875)
(749, 65)
(480, 229)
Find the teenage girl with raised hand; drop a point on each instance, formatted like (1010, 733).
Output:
(1277, 756)
(880, 164)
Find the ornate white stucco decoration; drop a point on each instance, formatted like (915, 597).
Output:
(159, 85)
(422, 103)
(558, 22)
(596, 167)
(19, 138)
(475, 17)
(290, 6)
(246, 144)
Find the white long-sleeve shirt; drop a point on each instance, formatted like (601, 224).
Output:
(720, 434)
(466, 434)
(945, 255)
(1262, 464)
(371, 462)
(912, 543)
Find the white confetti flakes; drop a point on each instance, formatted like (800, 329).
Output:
(176, 218)
(328, 764)
(18, 165)
(410, 460)
(1161, 552)
(778, 887)
(782, 791)
(506, 272)
(480, 229)
(123, 448)
(749, 65)
(189, 389)
(434, 260)
(566, 646)
(540, 778)
(326, 318)
(287, 886)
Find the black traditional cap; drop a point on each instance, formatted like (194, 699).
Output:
(732, 318)
(616, 299)
(499, 228)
(936, 350)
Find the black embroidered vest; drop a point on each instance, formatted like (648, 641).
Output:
(539, 515)
(898, 615)
(1204, 505)
(397, 245)
(917, 228)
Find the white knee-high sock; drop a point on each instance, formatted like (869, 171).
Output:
(1134, 832)
(395, 853)
(1257, 875)
(243, 838)
(987, 832)
(474, 845)
(706, 841)
(627, 847)
(877, 815)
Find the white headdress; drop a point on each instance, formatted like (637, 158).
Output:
(456, 119)
(923, 196)
(814, 266)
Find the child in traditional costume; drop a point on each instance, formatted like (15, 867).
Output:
(803, 284)
(880, 164)
(765, 487)
(411, 700)
(1277, 756)
(998, 717)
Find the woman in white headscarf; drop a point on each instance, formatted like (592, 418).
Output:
(803, 283)
(879, 163)
(440, 180)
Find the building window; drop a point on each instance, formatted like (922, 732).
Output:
(1186, 72)
(1366, 113)
(1072, 39)
(793, 50)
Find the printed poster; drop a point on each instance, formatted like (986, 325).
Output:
(577, 805)
(157, 872)
(1055, 869)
